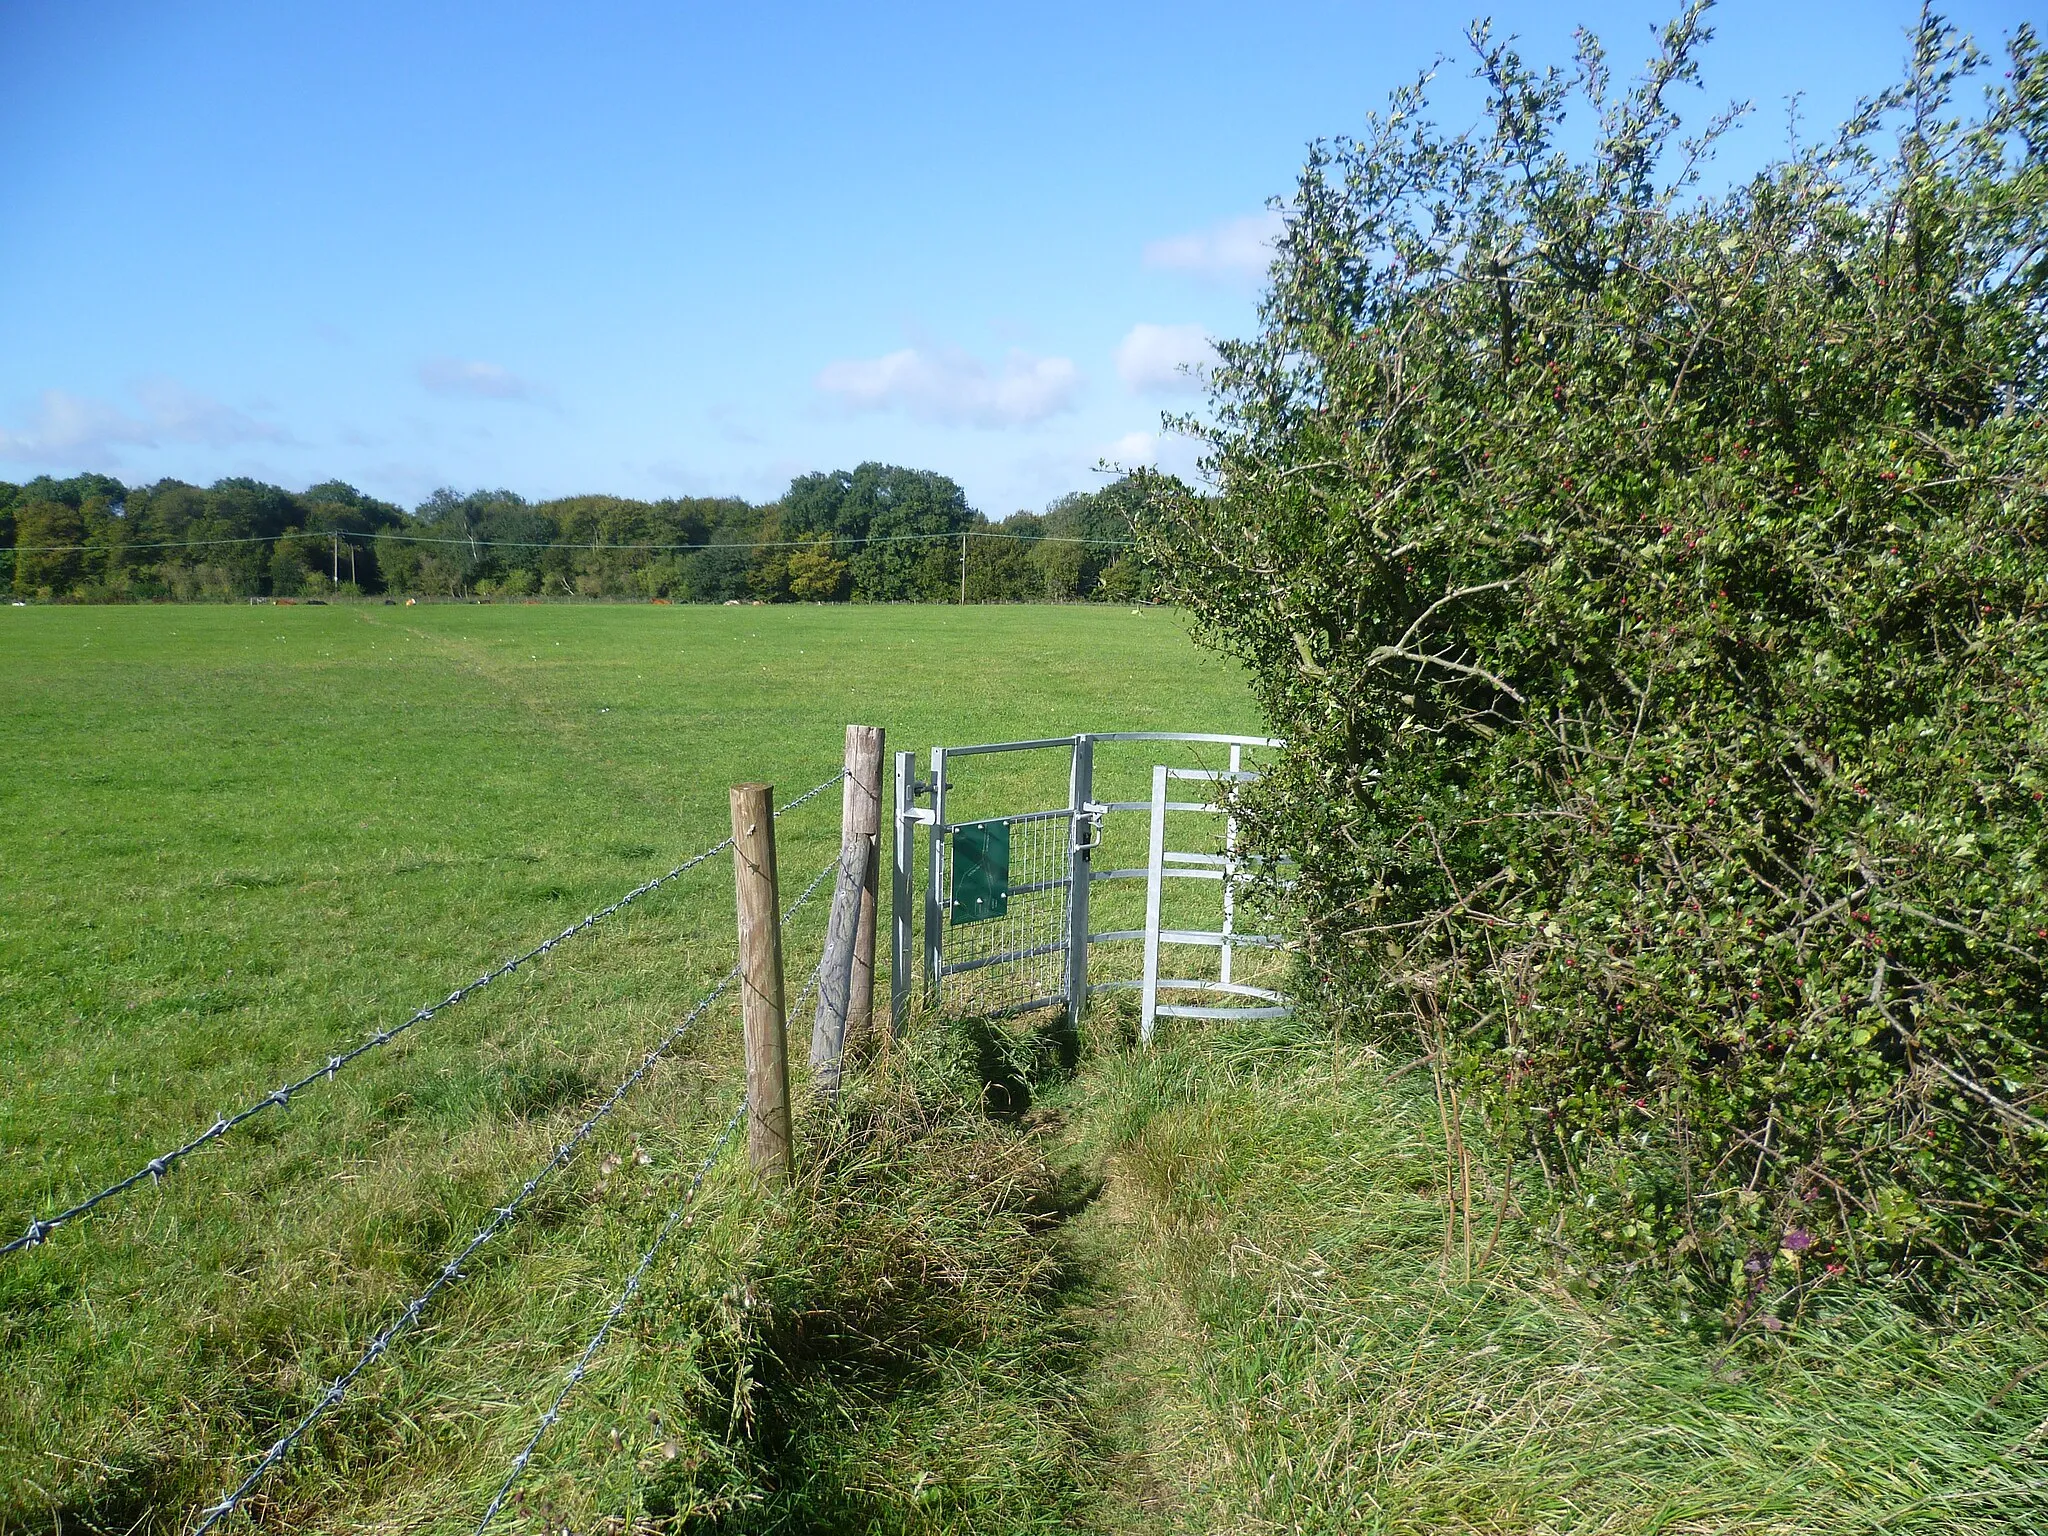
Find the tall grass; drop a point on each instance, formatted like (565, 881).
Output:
(1315, 1359)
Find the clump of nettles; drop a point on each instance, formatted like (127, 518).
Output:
(1651, 583)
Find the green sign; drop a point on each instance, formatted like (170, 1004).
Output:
(981, 871)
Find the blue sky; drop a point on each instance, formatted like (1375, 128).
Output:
(667, 249)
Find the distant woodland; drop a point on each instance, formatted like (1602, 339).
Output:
(879, 533)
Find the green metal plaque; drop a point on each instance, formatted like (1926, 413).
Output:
(981, 871)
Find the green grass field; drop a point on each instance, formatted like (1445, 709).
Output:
(235, 840)
(1207, 1287)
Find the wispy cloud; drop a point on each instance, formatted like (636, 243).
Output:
(1164, 359)
(476, 380)
(1236, 250)
(78, 429)
(952, 387)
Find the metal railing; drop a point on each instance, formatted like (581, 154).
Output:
(1040, 957)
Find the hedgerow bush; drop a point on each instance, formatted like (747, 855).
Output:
(1651, 583)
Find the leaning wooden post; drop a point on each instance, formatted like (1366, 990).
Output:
(759, 903)
(861, 818)
(841, 976)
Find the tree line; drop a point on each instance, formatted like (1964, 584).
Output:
(878, 533)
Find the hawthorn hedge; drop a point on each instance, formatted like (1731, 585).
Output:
(1650, 583)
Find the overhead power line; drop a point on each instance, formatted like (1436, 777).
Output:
(835, 540)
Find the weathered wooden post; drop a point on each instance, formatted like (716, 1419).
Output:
(861, 818)
(759, 903)
(846, 974)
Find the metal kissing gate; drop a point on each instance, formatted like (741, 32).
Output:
(1006, 897)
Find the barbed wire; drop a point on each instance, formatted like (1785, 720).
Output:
(40, 1228)
(577, 1372)
(618, 1308)
(501, 1217)
(811, 793)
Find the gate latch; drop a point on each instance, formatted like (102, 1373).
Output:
(1089, 817)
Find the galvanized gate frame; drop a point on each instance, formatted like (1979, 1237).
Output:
(1083, 816)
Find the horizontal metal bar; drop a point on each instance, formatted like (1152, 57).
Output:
(1006, 955)
(1164, 874)
(1190, 936)
(1038, 885)
(1021, 816)
(1214, 775)
(1228, 741)
(1233, 988)
(1187, 1011)
(1217, 860)
(1171, 805)
(1010, 746)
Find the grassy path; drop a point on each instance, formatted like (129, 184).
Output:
(1284, 1341)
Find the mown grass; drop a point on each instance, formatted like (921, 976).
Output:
(1309, 1356)
(234, 840)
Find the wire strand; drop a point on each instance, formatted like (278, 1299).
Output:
(501, 1217)
(40, 1228)
(578, 1371)
(618, 1308)
(428, 538)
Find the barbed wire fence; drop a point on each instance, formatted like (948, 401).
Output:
(618, 1309)
(39, 1229)
(632, 1288)
(502, 1217)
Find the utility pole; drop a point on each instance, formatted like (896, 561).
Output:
(963, 569)
(337, 556)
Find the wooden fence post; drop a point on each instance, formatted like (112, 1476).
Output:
(844, 981)
(861, 817)
(759, 903)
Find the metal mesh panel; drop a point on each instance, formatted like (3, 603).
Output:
(1017, 960)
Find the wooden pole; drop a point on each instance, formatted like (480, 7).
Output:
(759, 902)
(845, 972)
(835, 973)
(860, 816)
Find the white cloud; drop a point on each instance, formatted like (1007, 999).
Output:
(481, 381)
(76, 429)
(1172, 452)
(1236, 250)
(1132, 449)
(1164, 359)
(946, 385)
